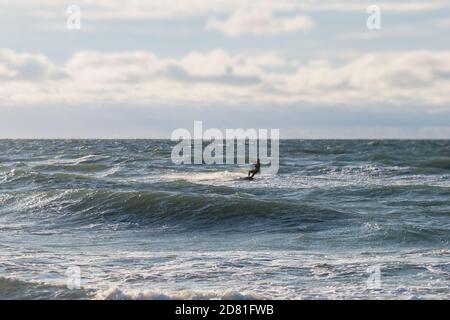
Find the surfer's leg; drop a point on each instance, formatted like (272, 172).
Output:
(254, 172)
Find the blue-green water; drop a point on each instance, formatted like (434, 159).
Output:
(139, 226)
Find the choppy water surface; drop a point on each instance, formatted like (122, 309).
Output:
(139, 226)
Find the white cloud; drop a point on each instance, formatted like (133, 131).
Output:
(214, 63)
(27, 66)
(374, 79)
(220, 77)
(259, 22)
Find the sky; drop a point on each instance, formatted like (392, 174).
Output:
(141, 69)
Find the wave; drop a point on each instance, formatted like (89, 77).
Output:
(12, 289)
(23, 179)
(115, 293)
(405, 234)
(80, 167)
(161, 208)
(438, 163)
(90, 158)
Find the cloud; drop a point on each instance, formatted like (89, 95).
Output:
(258, 23)
(26, 66)
(373, 79)
(220, 77)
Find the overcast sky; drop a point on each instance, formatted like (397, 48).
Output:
(140, 69)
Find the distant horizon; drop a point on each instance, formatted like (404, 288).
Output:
(281, 139)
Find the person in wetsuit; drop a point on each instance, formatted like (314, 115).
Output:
(252, 173)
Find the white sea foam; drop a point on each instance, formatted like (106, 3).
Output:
(115, 293)
(369, 176)
(205, 177)
(227, 275)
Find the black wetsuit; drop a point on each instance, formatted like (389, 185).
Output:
(254, 171)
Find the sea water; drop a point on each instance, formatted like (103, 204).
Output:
(338, 215)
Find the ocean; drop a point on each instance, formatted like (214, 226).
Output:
(116, 219)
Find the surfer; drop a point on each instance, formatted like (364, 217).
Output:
(252, 173)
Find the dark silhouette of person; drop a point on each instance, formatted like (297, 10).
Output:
(252, 173)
